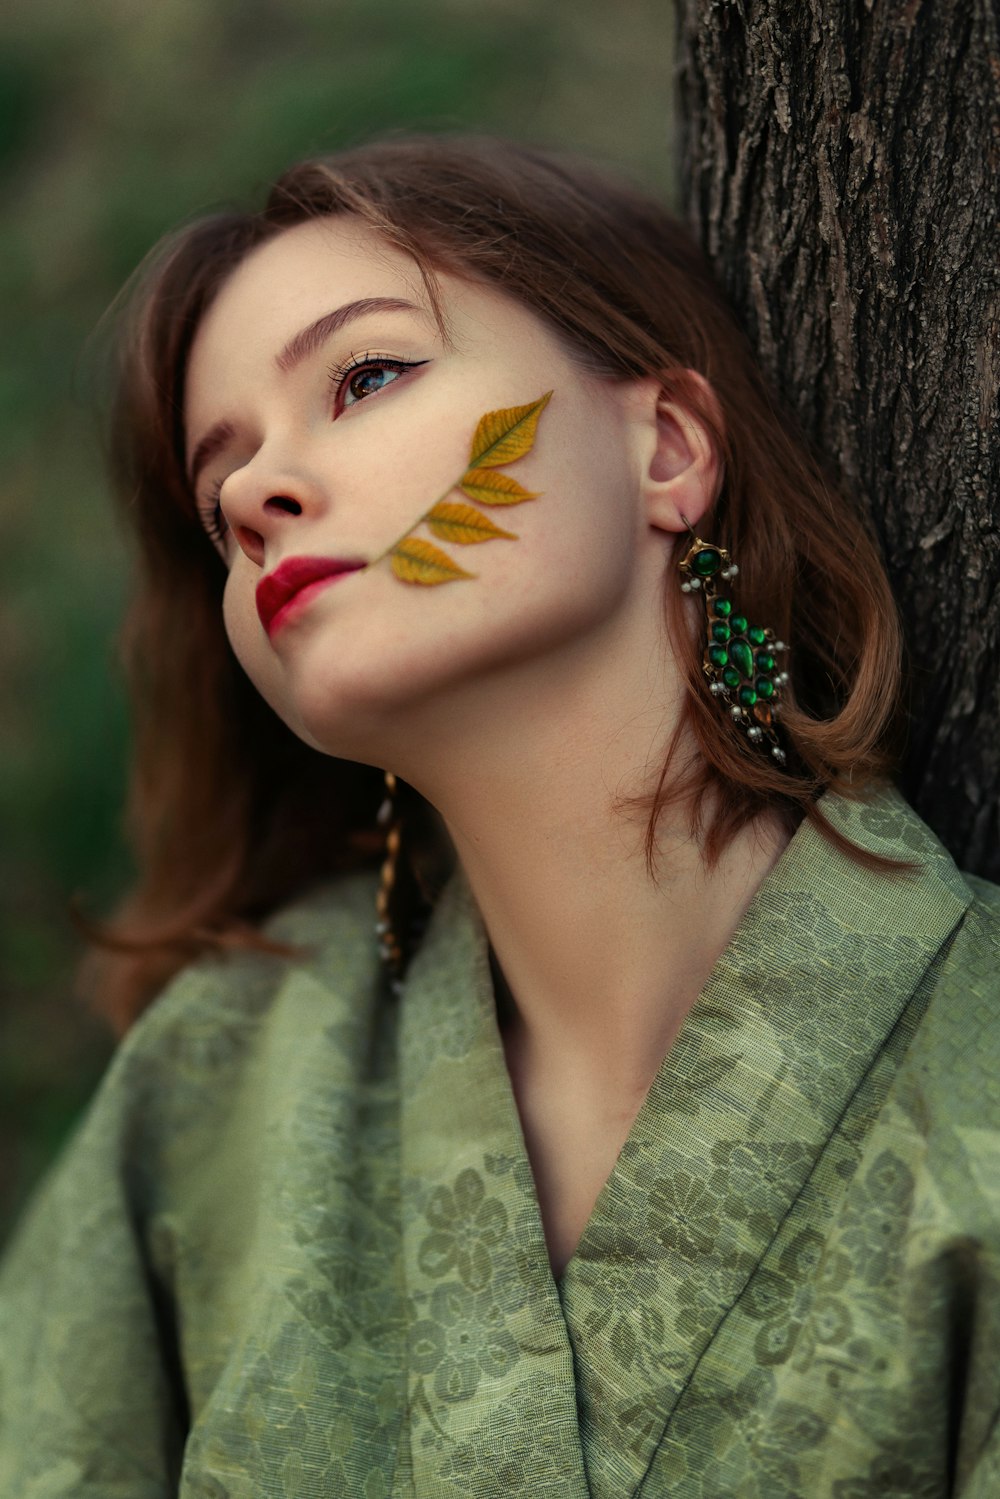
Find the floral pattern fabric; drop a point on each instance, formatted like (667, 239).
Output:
(294, 1248)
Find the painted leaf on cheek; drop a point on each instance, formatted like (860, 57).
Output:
(500, 437)
(488, 487)
(463, 523)
(416, 561)
(505, 435)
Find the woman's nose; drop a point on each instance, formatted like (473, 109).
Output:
(261, 499)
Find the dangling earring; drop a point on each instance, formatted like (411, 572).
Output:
(739, 659)
(388, 817)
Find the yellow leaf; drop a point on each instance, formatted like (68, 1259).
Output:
(416, 561)
(488, 487)
(463, 523)
(502, 436)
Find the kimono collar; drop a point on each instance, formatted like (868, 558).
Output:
(570, 1389)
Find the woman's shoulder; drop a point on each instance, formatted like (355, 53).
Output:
(981, 928)
(929, 891)
(232, 1036)
(930, 935)
(961, 985)
(949, 1083)
(985, 910)
(947, 1091)
(234, 1042)
(942, 927)
(226, 1015)
(325, 937)
(962, 1029)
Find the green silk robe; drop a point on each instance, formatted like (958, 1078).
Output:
(294, 1248)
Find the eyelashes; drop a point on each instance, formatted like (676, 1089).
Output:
(210, 514)
(346, 379)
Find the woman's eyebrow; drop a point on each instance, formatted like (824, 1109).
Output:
(302, 344)
(299, 347)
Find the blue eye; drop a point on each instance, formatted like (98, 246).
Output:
(369, 380)
(366, 375)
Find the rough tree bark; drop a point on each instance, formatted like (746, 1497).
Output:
(840, 168)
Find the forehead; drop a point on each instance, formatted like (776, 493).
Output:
(334, 260)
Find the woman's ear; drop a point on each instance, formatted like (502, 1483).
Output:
(681, 464)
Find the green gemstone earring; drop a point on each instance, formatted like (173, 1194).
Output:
(740, 660)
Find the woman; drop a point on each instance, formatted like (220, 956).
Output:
(663, 1160)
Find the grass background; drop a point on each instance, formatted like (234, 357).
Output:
(117, 120)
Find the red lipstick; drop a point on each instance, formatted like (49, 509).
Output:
(294, 582)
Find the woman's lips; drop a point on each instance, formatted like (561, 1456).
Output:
(294, 582)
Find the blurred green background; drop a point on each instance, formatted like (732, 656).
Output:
(117, 120)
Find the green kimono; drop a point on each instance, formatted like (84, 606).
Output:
(294, 1248)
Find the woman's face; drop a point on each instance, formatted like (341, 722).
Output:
(329, 439)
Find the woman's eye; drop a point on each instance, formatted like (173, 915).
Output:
(369, 380)
(367, 376)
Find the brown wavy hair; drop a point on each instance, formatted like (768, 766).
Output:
(230, 814)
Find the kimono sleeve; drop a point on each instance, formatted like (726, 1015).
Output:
(91, 1403)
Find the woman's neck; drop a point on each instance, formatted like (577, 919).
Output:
(602, 961)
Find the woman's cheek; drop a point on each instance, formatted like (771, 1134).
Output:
(242, 625)
(231, 615)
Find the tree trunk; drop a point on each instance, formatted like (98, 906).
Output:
(840, 168)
